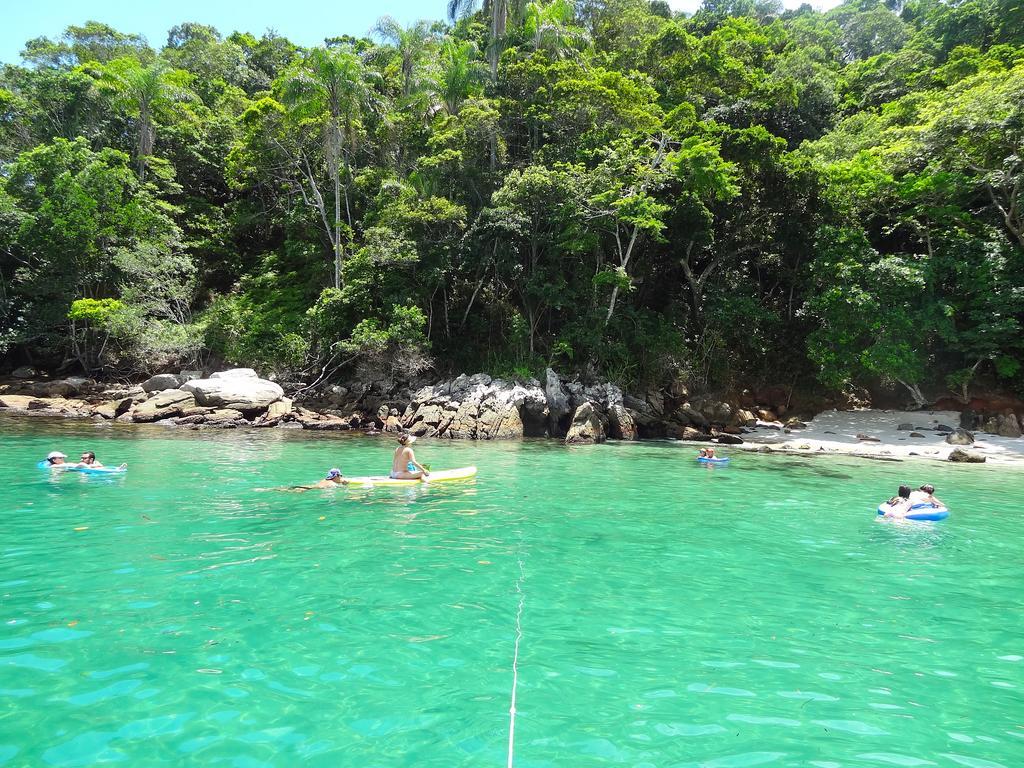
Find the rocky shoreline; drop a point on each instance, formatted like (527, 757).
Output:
(480, 407)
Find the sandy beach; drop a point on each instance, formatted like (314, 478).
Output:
(837, 431)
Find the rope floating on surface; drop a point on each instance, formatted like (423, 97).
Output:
(515, 667)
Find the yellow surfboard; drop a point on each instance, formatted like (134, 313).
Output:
(442, 476)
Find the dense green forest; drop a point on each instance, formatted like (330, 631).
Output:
(742, 196)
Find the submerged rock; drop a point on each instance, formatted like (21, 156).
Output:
(966, 457)
(960, 437)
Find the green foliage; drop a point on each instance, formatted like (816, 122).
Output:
(745, 195)
(98, 312)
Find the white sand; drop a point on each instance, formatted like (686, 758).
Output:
(836, 432)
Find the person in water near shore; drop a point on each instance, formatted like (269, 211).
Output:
(334, 479)
(403, 464)
(88, 461)
(56, 459)
(925, 495)
(702, 453)
(899, 504)
(711, 452)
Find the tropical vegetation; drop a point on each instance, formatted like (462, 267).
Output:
(741, 196)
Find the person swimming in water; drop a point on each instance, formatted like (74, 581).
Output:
(56, 459)
(333, 480)
(403, 464)
(88, 461)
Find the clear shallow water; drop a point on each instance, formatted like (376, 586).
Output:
(671, 614)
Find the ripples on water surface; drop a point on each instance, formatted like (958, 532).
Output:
(672, 614)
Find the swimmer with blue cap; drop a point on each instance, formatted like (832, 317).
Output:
(334, 478)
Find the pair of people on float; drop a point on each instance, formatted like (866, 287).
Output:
(706, 453)
(87, 461)
(907, 499)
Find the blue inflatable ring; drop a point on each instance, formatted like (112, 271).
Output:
(924, 512)
(714, 460)
(44, 464)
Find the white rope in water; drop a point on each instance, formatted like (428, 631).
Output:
(515, 668)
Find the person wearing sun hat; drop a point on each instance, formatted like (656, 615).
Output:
(55, 458)
(404, 465)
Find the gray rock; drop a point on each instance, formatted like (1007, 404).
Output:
(621, 425)
(25, 372)
(943, 428)
(916, 434)
(1004, 425)
(905, 427)
(727, 439)
(163, 381)
(966, 457)
(163, 405)
(744, 418)
(960, 437)
(713, 411)
(499, 421)
(235, 373)
(586, 426)
(240, 389)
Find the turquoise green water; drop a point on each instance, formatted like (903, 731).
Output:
(670, 614)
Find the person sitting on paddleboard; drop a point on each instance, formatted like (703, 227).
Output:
(925, 495)
(404, 465)
(899, 504)
(55, 459)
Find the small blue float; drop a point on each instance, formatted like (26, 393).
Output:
(712, 460)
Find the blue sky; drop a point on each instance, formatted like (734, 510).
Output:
(306, 22)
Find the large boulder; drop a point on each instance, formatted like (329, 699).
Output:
(163, 381)
(715, 411)
(163, 405)
(960, 436)
(621, 424)
(72, 386)
(25, 372)
(499, 421)
(726, 439)
(478, 407)
(586, 426)
(1004, 425)
(966, 457)
(240, 389)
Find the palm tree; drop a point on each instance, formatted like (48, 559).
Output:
(333, 85)
(459, 73)
(410, 42)
(144, 90)
(549, 27)
(500, 12)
